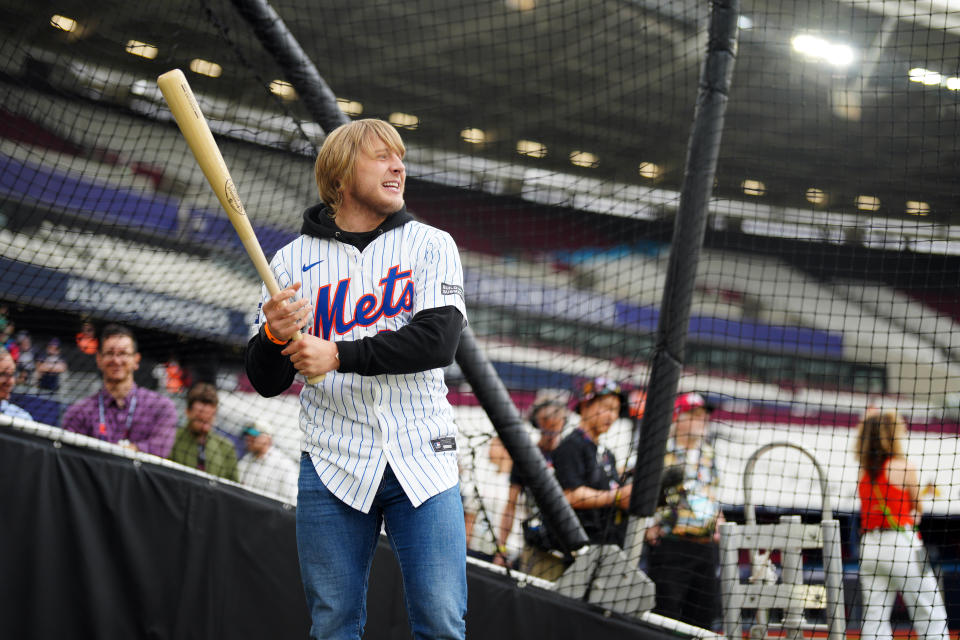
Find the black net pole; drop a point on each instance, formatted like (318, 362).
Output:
(702, 152)
(273, 34)
(321, 103)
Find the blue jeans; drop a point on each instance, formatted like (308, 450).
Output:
(336, 544)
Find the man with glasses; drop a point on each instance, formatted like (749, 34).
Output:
(122, 412)
(8, 375)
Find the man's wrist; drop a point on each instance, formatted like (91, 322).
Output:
(268, 336)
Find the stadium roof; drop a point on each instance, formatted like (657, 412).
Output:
(615, 80)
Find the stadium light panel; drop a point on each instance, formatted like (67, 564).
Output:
(953, 84)
(917, 208)
(584, 159)
(63, 23)
(142, 49)
(816, 196)
(744, 22)
(868, 203)
(925, 76)
(350, 107)
(283, 89)
(838, 55)
(521, 5)
(531, 148)
(403, 120)
(205, 68)
(649, 170)
(753, 187)
(473, 136)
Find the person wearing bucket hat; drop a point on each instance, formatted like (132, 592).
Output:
(682, 542)
(266, 468)
(587, 471)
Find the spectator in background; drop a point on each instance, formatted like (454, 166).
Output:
(122, 412)
(4, 317)
(50, 367)
(892, 557)
(8, 377)
(682, 542)
(548, 417)
(27, 362)
(9, 342)
(87, 339)
(587, 471)
(175, 377)
(264, 467)
(484, 484)
(196, 444)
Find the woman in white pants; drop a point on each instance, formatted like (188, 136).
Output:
(892, 557)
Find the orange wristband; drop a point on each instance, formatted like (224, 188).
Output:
(272, 338)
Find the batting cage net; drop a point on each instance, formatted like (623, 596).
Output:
(809, 315)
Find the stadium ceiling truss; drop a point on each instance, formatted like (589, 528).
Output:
(615, 77)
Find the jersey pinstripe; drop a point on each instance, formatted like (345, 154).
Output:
(352, 425)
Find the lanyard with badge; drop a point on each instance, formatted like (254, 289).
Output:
(103, 418)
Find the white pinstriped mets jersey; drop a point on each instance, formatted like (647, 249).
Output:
(354, 425)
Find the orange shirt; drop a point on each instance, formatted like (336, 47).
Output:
(88, 344)
(883, 506)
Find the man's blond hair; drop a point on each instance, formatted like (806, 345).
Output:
(336, 163)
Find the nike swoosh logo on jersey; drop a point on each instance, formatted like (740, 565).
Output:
(307, 267)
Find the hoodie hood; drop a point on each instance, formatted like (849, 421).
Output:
(319, 223)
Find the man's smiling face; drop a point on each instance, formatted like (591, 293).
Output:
(379, 180)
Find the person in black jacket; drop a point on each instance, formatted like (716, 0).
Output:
(587, 471)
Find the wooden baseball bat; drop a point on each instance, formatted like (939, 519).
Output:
(186, 111)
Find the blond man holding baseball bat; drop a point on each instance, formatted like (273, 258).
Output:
(379, 297)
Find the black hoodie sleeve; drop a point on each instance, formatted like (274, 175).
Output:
(429, 341)
(269, 371)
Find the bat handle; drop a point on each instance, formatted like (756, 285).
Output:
(314, 379)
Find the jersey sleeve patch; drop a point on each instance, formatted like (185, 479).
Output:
(451, 289)
(444, 444)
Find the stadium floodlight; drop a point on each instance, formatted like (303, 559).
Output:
(868, 203)
(350, 107)
(283, 90)
(521, 5)
(473, 136)
(584, 159)
(649, 170)
(205, 68)
(63, 23)
(925, 76)
(953, 84)
(531, 148)
(744, 22)
(753, 187)
(142, 49)
(917, 208)
(403, 120)
(816, 196)
(837, 55)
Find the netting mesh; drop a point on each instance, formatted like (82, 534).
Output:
(549, 138)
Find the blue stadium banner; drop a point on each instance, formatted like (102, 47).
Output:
(51, 289)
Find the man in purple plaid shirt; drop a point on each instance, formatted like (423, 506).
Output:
(121, 412)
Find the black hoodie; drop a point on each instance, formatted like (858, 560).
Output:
(428, 342)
